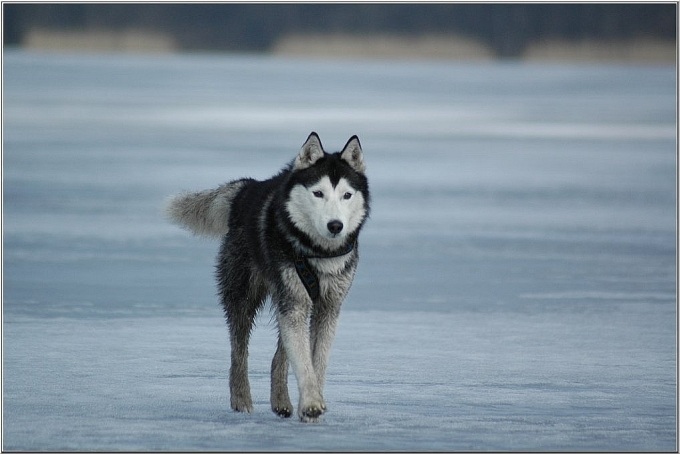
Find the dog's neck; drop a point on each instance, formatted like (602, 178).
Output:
(307, 275)
(344, 251)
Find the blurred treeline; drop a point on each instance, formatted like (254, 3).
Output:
(507, 29)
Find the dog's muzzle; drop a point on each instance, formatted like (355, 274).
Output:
(335, 227)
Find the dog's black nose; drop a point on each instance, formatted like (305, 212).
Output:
(335, 227)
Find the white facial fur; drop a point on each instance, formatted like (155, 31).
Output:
(312, 208)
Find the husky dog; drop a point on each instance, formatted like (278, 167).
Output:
(292, 237)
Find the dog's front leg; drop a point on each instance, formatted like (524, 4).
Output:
(294, 332)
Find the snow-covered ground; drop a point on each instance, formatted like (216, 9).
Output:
(517, 283)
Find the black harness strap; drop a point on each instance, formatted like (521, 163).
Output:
(308, 276)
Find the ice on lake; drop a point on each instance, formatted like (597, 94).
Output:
(517, 286)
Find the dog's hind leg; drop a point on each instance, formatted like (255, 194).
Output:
(322, 330)
(242, 295)
(293, 320)
(240, 326)
(280, 399)
(324, 320)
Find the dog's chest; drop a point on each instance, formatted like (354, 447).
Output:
(334, 277)
(330, 266)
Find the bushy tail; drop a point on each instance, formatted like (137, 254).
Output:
(205, 213)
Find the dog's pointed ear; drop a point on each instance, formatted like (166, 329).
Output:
(353, 154)
(311, 152)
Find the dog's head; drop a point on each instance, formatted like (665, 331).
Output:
(328, 199)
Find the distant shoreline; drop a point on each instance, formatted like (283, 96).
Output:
(450, 47)
(430, 47)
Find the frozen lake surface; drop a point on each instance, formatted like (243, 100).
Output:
(517, 283)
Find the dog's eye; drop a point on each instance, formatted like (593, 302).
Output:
(318, 194)
(347, 196)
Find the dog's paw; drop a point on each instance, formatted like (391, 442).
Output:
(283, 411)
(280, 401)
(312, 412)
(242, 405)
